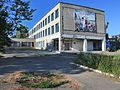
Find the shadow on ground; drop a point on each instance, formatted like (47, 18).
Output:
(58, 64)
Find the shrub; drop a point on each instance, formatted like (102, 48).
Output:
(105, 63)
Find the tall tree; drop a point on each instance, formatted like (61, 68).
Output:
(12, 13)
(23, 32)
(5, 27)
(106, 27)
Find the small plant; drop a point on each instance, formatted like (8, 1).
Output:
(41, 80)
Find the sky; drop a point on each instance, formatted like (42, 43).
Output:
(111, 8)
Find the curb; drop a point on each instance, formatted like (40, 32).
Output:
(94, 70)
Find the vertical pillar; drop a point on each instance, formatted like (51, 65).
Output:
(104, 44)
(30, 44)
(85, 45)
(60, 43)
(20, 44)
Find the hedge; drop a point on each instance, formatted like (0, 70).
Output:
(104, 63)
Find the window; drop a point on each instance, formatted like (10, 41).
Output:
(28, 44)
(45, 32)
(49, 31)
(57, 13)
(32, 31)
(46, 21)
(57, 27)
(39, 26)
(43, 43)
(34, 36)
(53, 29)
(43, 23)
(52, 16)
(49, 19)
(41, 33)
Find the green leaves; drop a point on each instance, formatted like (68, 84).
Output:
(12, 14)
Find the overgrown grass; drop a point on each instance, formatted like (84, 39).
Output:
(44, 83)
(105, 63)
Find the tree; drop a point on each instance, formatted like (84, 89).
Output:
(5, 28)
(23, 33)
(106, 27)
(12, 13)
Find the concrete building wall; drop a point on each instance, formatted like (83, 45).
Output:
(69, 20)
(66, 22)
(77, 45)
(48, 38)
(19, 41)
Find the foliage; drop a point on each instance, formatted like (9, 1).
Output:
(114, 45)
(105, 63)
(12, 13)
(22, 33)
(5, 28)
(24, 81)
(106, 26)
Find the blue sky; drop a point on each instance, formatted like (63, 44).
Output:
(111, 8)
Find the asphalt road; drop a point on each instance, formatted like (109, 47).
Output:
(58, 64)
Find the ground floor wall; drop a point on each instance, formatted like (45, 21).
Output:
(79, 43)
(22, 43)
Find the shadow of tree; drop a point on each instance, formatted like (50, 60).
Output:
(57, 64)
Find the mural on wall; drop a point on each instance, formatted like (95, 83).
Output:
(84, 21)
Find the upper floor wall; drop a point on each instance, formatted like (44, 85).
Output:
(44, 27)
(82, 20)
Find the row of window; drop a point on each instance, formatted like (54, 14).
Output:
(40, 44)
(47, 32)
(45, 22)
(23, 44)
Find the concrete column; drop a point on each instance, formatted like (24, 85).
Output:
(20, 44)
(104, 44)
(31, 44)
(60, 43)
(85, 45)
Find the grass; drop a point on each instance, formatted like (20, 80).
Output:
(104, 63)
(117, 56)
(41, 80)
(43, 84)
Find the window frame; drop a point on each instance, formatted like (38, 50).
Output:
(52, 29)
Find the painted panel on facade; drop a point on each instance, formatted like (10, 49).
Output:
(84, 21)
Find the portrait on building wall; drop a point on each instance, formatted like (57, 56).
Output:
(84, 21)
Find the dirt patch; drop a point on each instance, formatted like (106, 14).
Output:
(37, 78)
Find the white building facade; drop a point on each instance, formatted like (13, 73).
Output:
(70, 27)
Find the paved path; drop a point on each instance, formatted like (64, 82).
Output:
(59, 64)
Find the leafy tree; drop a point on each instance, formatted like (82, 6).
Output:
(23, 33)
(12, 13)
(5, 28)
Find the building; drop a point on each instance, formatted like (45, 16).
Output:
(22, 43)
(70, 27)
(116, 36)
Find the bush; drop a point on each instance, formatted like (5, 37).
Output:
(105, 63)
